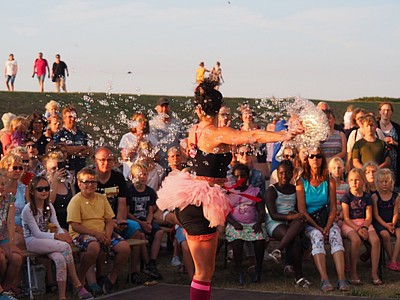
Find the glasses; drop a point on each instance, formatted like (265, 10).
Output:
(312, 156)
(43, 189)
(248, 153)
(103, 160)
(25, 161)
(88, 182)
(15, 168)
(287, 156)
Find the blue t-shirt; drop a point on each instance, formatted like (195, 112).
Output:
(357, 205)
(315, 196)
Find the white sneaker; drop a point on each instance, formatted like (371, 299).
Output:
(175, 261)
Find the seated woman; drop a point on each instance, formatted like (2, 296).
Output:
(244, 222)
(283, 222)
(316, 196)
(39, 217)
(61, 183)
(138, 131)
(10, 254)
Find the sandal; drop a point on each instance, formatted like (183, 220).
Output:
(302, 282)
(326, 286)
(393, 266)
(276, 256)
(343, 285)
(288, 270)
(355, 282)
(377, 282)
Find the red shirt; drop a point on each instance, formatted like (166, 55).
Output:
(41, 65)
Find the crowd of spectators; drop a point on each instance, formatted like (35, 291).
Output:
(66, 192)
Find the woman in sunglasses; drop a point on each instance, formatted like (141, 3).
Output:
(43, 235)
(316, 199)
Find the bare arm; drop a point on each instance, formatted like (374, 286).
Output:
(346, 216)
(213, 138)
(357, 163)
(342, 154)
(332, 205)
(386, 163)
(122, 211)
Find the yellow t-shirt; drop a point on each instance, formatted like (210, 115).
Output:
(90, 213)
(200, 74)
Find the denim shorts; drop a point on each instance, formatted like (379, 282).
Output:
(180, 235)
(10, 78)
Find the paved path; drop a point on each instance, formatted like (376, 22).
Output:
(174, 292)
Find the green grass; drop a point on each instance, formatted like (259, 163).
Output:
(104, 116)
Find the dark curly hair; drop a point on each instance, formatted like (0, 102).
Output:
(209, 99)
(286, 163)
(241, 167)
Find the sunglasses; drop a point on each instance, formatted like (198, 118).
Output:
(26, 161)
(89, 182)
(312, 156)
(287, 156)
(43, 189)
(15, 168)
(248, 153)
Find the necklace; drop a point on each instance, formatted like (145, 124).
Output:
(385, 124)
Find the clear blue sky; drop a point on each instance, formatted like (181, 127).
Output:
(331, 50)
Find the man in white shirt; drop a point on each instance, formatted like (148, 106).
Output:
(10, 72)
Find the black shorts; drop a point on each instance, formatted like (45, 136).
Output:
(193, 220)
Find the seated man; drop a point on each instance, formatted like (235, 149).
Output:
(90, 217)
(113, 185)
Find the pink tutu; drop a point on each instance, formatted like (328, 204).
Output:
(182, 189)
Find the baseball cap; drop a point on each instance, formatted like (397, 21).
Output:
(163, 101)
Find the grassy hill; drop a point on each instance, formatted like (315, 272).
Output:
(104, 116)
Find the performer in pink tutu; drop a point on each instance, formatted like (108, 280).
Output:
(201, 202)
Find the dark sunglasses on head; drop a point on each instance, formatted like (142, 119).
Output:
(43, 188)
(289, 156)
(248, 153)
(312, 156)
(15, 168)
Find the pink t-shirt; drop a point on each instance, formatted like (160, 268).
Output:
(244, 210)
(40, 65)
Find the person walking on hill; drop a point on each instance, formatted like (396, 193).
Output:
(10, 72)
(200, 72)
(216, 75)
(58, 74)
(39, 68)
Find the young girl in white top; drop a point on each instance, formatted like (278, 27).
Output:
(386, 214)
(43, 235)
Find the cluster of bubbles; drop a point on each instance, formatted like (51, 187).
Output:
(107, 119)
(314, 121)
